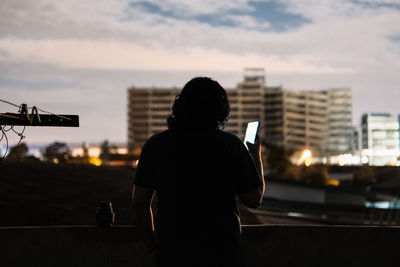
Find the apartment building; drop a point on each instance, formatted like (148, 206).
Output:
(305, 120)
(317, 120)
(148, 109)
(341, 133)
(380, 138)
(247, 102)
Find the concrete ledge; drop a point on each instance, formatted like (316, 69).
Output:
(262, 245)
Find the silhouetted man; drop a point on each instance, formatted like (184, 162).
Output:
(197, 170)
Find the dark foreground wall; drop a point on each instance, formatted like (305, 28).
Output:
(262, 245)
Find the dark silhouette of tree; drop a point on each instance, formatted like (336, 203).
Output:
(105, 150)
(364, 176)
(315, 174)
(57, 152)
(276, 160)
(18, 152)
(85, 151)
(278, 165)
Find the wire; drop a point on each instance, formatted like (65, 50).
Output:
(21, 134)
(8, 102)
(44, 111)
(4, 135)
(4, 127)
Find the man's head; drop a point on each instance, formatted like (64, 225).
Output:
(202, 103)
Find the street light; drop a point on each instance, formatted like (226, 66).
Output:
(305, 158)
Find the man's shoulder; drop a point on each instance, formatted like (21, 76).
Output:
(231, 137)
(170, 134)
(159, 137)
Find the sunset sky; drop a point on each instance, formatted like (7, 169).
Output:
(79, 57)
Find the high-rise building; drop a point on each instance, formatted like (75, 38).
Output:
(317, 120)
(148, 109)
(246, 101)
(305, 120)
(355, 140)
(340, 139)
(380, 138)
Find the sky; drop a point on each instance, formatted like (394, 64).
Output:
(79, 57)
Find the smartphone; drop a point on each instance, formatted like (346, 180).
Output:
(251, 132)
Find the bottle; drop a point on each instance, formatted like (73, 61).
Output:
(104, 214)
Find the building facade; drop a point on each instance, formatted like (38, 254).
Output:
(316, 120)
(380, 139)
(304, 120)
(341, 132)
(247, 102)
(148, 109)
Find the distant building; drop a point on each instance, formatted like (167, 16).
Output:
(355, 140)
(297, 120)
(380, 139)
(341, 134)
(148, 109)
(247, 102)
(317, 120)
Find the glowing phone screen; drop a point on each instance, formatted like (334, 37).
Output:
(251, 132)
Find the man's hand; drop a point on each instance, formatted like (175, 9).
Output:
(255, 153)
(254, 198)
(255, 149)
(142, 198)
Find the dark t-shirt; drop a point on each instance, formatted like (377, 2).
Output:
(197, 175)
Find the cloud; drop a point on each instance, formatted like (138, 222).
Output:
(86, 54)
(249, 22)
(198, 7)
(341, 36)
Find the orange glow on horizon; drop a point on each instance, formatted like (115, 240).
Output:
(333, 182)
(95, 161)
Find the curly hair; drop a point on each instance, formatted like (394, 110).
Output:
(202, 103)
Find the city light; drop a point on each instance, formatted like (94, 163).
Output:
(333, 182)
(345, 160)
(95, 161)
(305, 158)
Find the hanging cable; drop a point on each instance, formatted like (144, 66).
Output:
(4, 135)
(8, 102)
(44, 111)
